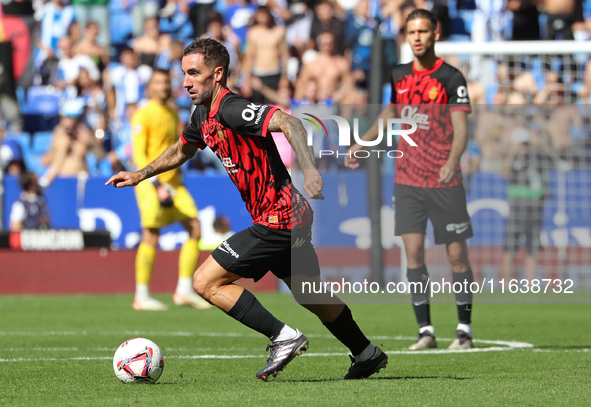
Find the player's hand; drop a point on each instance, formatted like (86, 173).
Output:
(350, 160)
(313, 183)
(447, 173)
(165, 194)
(125, 179)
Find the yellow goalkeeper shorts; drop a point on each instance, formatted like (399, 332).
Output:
(154, 216)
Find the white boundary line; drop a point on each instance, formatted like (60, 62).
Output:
(499, 346)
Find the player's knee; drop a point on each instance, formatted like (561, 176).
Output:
(457, 258)
(201, 285)
(415, 253)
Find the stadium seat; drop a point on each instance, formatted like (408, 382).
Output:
(23, 140)
(41, 142)
(33, 163)
(42, 100)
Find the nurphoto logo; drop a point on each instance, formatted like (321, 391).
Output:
(393, 129)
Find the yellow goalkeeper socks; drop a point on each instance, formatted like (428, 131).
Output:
(144, 263)
(188, 258)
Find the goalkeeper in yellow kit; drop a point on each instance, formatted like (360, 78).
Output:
(155, 127)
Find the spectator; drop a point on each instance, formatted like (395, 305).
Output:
(562, 14)
(174, 20)
(88, 46)
(199, 15)
(170, 60)
(72, 140)
(93, 95)
(95, 10)
(360, 31)
(300, 25)
(329, 70)
(266, 55)
(29, 211)
(525, 170)
(140, 11)
(55, 21)
(121, 155)
(224, 34)
(12, 158)
(125, 83)
(238, 16)
(326, 20)
(526, 23)
(69, 65)
(561, 118)
(149, 45)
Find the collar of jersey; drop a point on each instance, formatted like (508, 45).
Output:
(435, 67)
(214, 111)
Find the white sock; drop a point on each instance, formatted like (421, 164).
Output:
(286, 333)
(465, 328)
(367, 353)
(142, 292)
(185, 286)
(428, 328)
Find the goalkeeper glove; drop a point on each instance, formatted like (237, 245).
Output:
(165, 193)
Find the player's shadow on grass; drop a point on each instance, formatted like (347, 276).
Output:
(380, 378)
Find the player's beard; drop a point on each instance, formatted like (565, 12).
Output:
(203, 97)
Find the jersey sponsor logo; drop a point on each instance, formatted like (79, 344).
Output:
(249, 113)
(462, 95)
(260, 114)
(410, 113)
(227, 163)
(458, 227)
(225, 247)
(273, 219)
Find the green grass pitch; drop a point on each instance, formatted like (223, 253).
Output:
(57, 351)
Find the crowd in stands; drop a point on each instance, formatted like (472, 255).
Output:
(91, 60)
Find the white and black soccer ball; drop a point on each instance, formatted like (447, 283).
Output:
(138, 360)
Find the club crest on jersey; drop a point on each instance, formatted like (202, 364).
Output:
(433, 93)
(220, 133)
(273, 219)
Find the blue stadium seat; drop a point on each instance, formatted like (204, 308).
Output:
(23, 140)
(33, 162)
(41, 142)
(42, 100)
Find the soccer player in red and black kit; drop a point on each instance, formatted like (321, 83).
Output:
(428, 181)
(238, 131)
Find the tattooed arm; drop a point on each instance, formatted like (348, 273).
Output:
(173, 157)
(296, 135)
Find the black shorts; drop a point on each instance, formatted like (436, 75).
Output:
(525, 219)
(258, 249)
(446, 207)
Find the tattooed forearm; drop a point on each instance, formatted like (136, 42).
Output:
(173, 157)
(296, 135)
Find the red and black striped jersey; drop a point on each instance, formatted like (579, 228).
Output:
(236, 130)
(428, 97)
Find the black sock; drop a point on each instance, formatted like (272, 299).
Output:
(346, 330)
(420, 294)
(251, 313)
(464, 298)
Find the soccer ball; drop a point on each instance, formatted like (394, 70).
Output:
(138, 360)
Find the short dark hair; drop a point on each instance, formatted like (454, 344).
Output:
(215, 17)
(422, 13)
(27, 179)
(214, 53)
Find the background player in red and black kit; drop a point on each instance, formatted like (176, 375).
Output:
(428, 181)
(238, 131)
